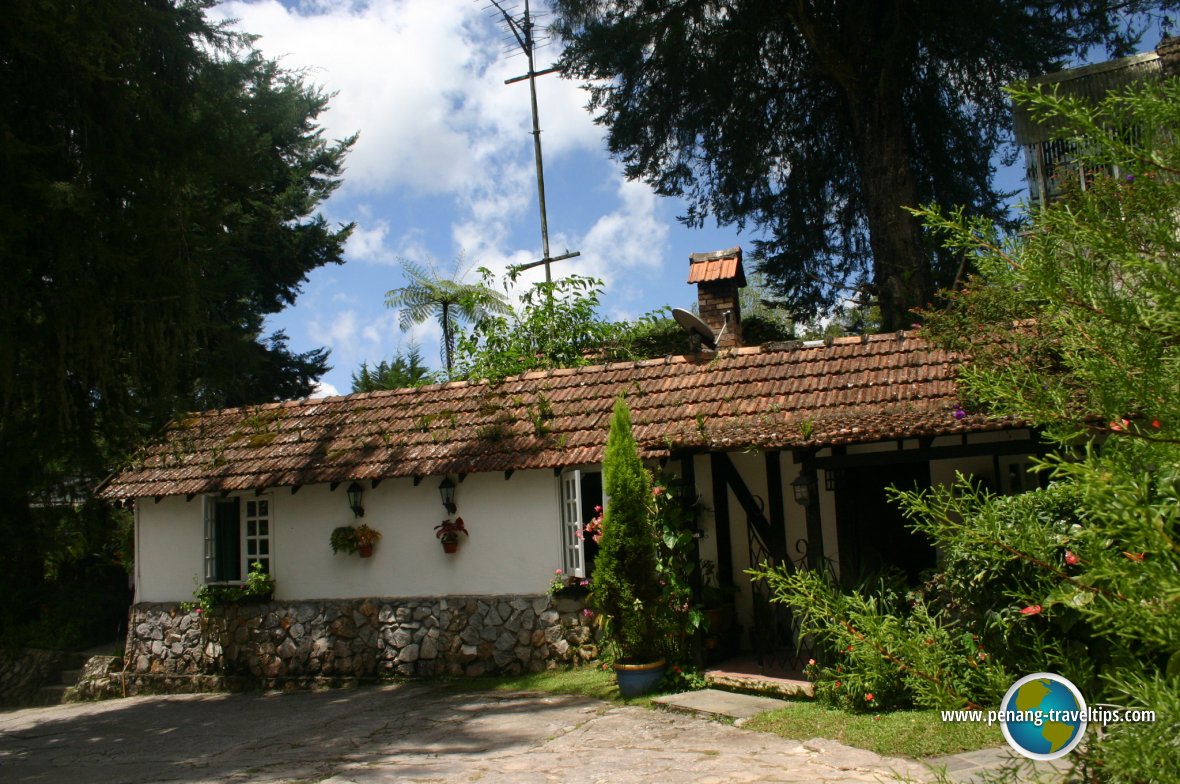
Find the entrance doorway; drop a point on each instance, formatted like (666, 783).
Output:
(871, 531)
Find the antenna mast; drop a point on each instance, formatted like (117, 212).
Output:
(522, 30)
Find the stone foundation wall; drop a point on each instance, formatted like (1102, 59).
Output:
(24, 672)
(300, 644)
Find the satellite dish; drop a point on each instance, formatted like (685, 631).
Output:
(691, 323)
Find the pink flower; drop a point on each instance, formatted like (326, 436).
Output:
(557, 571)
(587, 612)
(811, 662)
(1032, 610)
(1071, 558)
(657, 490)
(598, 509)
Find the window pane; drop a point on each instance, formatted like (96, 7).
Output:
(251, 547)
(263, 508)
(251, 508)
(264, 546)
(251, 528)
(263, 528)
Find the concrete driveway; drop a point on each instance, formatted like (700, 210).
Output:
(404, 733)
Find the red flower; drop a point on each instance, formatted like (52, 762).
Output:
(850, 647)
(1071, 558)
(837, 684)
(869, 697)
(1136, 557)
(1033, 610)
(1155, 423)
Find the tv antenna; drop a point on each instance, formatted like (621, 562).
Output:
(522, 29)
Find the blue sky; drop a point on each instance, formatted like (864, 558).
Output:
(443, 169)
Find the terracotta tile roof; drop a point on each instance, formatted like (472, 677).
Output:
(853, 390)
(718, 265)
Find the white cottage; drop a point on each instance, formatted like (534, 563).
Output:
(748, 430)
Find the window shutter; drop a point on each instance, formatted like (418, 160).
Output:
(572, 528)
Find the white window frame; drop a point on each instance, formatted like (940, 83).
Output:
(573, 547)
(259, 511)
(255, 527)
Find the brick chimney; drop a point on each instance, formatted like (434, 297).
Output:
(1168, 50)
(718, 276)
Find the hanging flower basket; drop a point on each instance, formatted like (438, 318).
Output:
(448, 533)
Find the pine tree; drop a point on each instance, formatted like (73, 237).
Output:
(626, 588)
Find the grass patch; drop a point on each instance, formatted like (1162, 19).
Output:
(916, 734)
(582, 681)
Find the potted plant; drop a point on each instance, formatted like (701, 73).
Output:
(717, 606)
(366, 537)
(354, 539)
(448, 533)
(627, 589)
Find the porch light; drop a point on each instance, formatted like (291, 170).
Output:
(447, 490)
(355, 491)
(804, 488)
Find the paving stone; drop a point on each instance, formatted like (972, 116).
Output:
(720, 703)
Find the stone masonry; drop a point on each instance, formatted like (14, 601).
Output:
(301, 644)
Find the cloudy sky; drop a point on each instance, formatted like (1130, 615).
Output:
(443, 170)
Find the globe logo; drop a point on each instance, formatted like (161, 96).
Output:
(1043, 716)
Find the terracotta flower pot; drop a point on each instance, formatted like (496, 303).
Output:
(364, 550)
(450, 547)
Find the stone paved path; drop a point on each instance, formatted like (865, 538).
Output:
(405, 733)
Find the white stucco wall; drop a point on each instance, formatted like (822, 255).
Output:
(513, 547)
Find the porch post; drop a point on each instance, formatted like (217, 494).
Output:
(815, 529)
(721, 518)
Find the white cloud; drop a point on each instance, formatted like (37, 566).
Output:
(422, 81)
(627, 245)
(368, 244)
(340, 332)
(324, 389)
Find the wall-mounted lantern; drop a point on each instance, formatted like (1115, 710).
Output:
(355, 491)
(447, 490)
(804, 488)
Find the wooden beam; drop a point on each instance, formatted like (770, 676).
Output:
(987, 448)
(417, 480)
(332, 487)
(259, 491)
(750, 506)
(373, 484)
(189, 496)
(778, 513)
(159, 498)
(295, 489)
(508, 474)
(462, 477)
(721, 519)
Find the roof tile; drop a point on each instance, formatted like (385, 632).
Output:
(852, 390)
